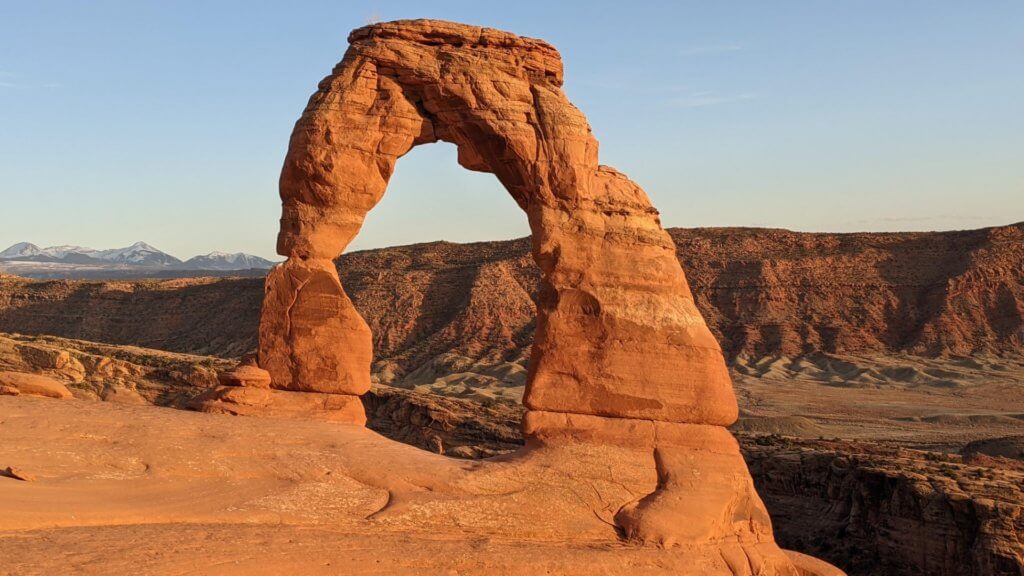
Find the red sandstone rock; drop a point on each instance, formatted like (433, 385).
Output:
(311, 337)
(811, 566)
(248, 401)
(18, 474)
(245, 375)
(34, 385)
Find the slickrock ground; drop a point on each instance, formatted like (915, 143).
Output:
(142, 490)
(871, 508)
(118, 487)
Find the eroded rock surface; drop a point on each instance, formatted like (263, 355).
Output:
(876, 509)
(23, 383)
(114, 373)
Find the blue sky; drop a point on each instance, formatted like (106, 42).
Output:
(168, 121)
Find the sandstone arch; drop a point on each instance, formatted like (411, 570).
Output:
(618, 334)
(623, 369)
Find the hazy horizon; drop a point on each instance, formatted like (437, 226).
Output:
(127, 121)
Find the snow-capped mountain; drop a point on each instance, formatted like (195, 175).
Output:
(20, 250)
(140, 254)
(28, 259)
(63, 251)
(26, 251)
(225, 261)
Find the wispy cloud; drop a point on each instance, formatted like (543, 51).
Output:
(701, 50)
(701, 99)
(7, 80)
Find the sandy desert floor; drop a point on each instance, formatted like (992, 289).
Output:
(934, 404)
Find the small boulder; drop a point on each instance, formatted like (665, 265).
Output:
(18, 474)
(245, 375)
(122, 395)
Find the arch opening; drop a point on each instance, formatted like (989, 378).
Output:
(455, 318)
(431, 198)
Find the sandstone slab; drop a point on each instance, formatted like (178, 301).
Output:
(249, 401)
(35, 385)
(275, 496)
(245, 375)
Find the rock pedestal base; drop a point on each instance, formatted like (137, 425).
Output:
(704, 492)
(249, 401)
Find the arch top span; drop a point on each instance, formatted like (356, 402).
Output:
(617, 335)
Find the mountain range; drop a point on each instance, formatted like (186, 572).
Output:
(25, 257)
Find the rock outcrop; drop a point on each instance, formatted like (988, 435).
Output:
(245, 375)
(885, 510)
(28, 384)
(250, 401)
(113, 373)
(622, 365)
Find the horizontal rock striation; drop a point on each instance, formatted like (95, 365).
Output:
(882, 510)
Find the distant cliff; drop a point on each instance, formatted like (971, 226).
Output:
(763, 291)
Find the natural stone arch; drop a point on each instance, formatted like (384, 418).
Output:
(625, 378)
(618, 334)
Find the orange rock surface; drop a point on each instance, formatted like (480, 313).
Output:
(311, 337)
(20, 383)
(251, 401)
(153, 491)
(245, 375)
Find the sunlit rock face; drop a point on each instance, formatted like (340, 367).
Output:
(618, 334)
